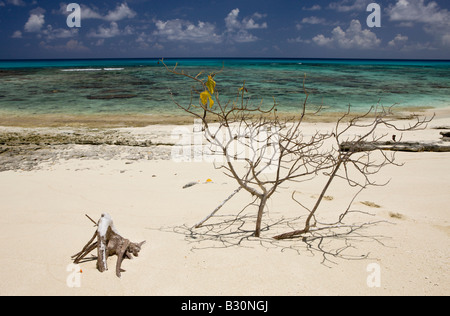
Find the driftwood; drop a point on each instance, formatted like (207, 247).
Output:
(445, 136)
(393, 146)
(108, 243)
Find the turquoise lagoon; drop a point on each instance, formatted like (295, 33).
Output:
(144, 86)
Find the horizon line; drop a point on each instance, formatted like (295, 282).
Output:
(261, 58)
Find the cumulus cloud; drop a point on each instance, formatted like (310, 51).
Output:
(315, 7)
(36, 21)
(74, 45)
(398, 41)
(17, 34)
(19, 3)
(238, 30)
(298, 39)
(418, 11)
(121, 12)
(50, 33)
(185, 31)
(146, 42)
(350, 5)
(86, 12)
(435, 21)
(321, 40)
(70, 46)
(314, 20)
(353, 37)
(248, 23)
(106, 32)
(446, 40)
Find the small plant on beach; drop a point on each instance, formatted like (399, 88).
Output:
(263, 150)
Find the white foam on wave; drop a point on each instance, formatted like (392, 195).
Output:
(82, 69)
(92, 69)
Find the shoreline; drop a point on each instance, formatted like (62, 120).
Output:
(142, 120)
(33, 144)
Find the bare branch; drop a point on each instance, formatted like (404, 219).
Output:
(253, 140)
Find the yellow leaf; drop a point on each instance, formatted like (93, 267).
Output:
(205, 96)
(243, 88)
(211, 84)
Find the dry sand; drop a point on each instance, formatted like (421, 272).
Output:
(42, 219)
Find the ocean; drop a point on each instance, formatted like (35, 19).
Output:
(145, 87)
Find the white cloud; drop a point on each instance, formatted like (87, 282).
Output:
(314, 20)
(147, 41)
(19, 3)
(17, 34)
(106, 32)
(435, 21)
(243, 36)
(86, 13)
(315, 7)
(238, 30)
(121, 12)
(418, 11)
(446, 40)
(185, 31)
(350, 5)
(35, 22)
(398, 41)
(406, 24)
(70, 46)
(51, 33)
(248, 23)
(402, 43)
(74, 45)
(298, 39)
(231, 20)
(352, 38)
(321, 40)
(100, 42)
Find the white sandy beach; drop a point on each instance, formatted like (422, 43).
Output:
(42, 215)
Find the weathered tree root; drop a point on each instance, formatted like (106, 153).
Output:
(394, 146)
(109, 243)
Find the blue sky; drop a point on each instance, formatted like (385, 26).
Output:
(415, 29)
